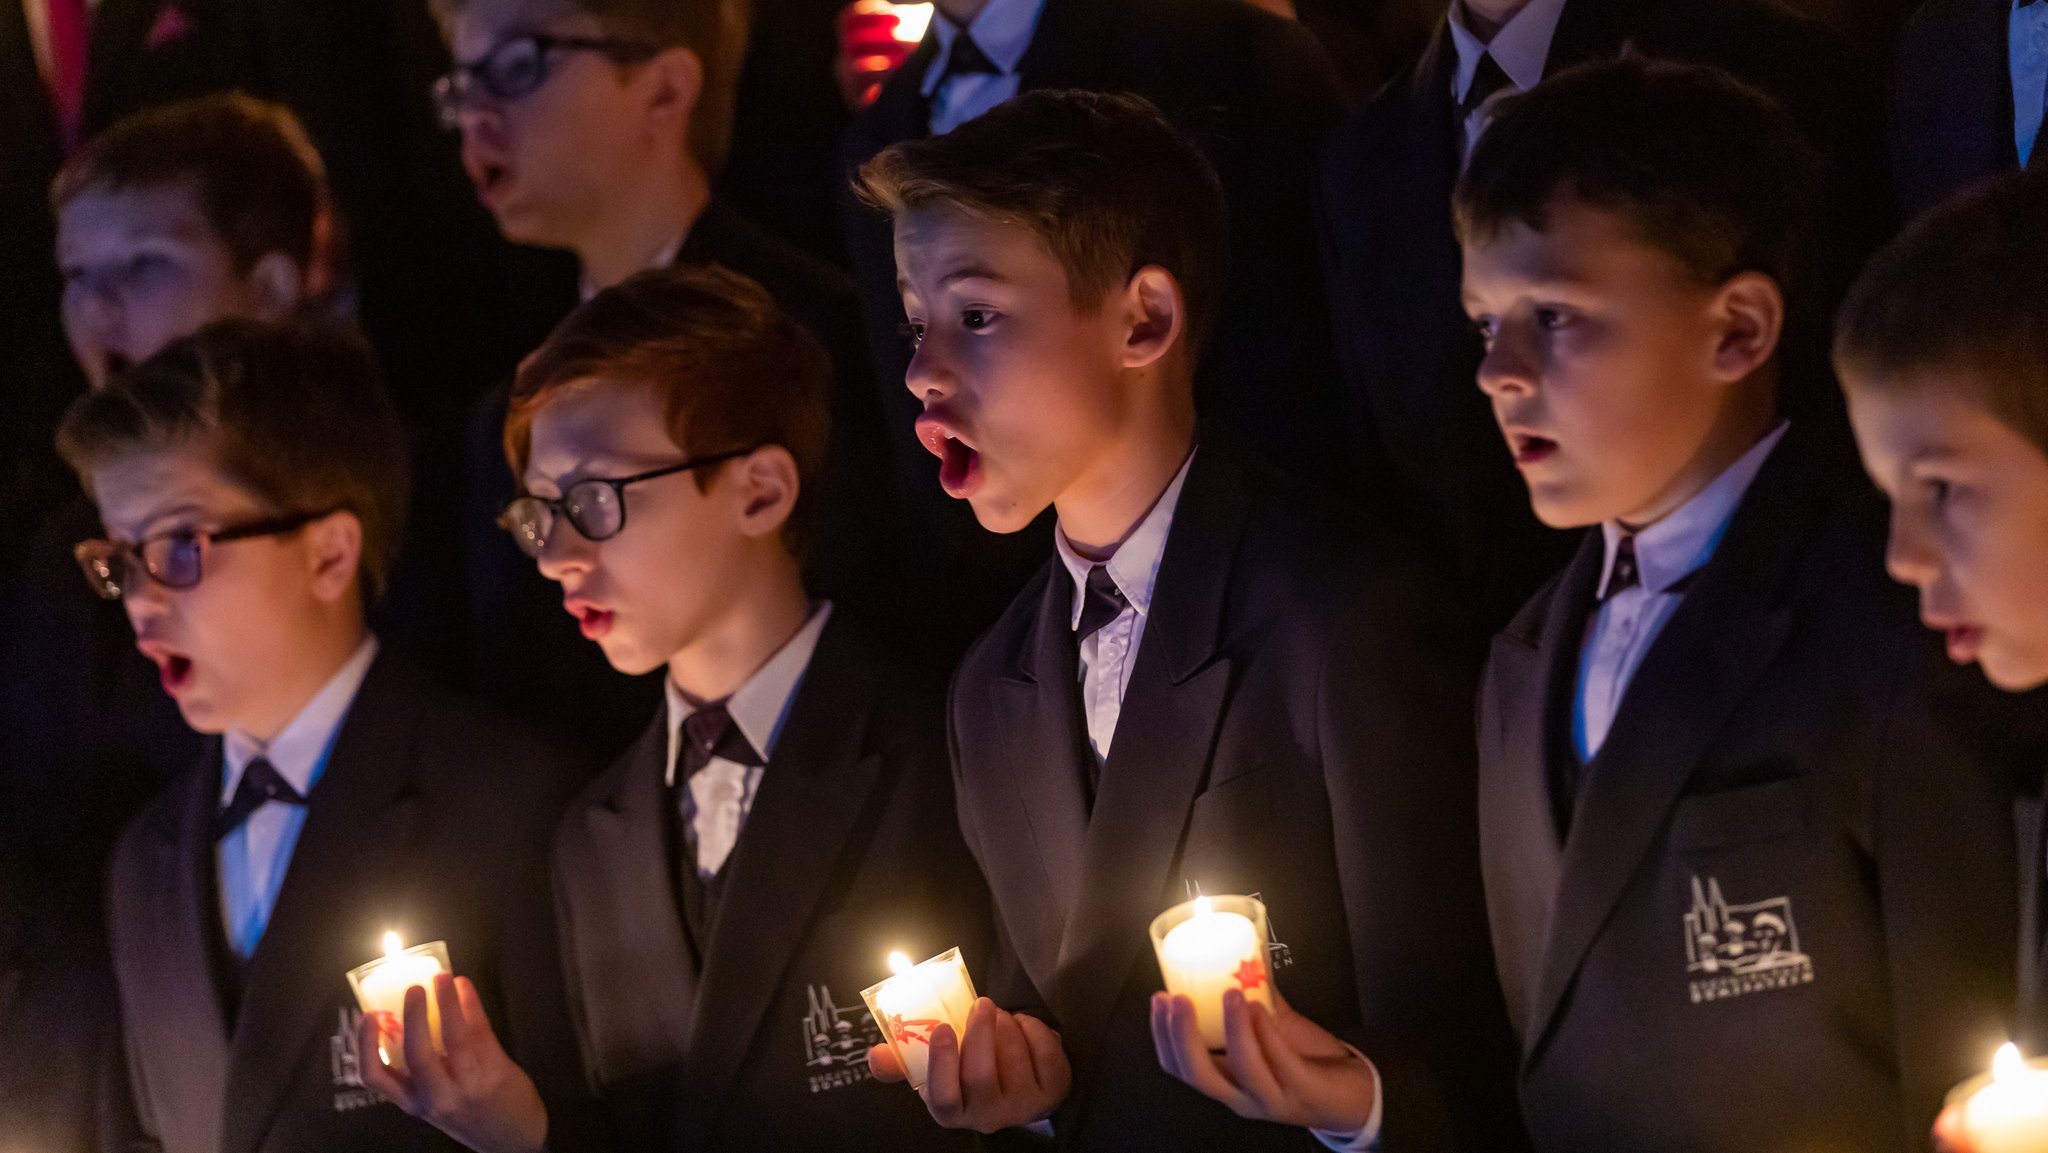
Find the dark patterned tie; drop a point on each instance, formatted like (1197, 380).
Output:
(1625, 574)
(260, 785)
(1487, 79)
(967, 58)
(1101, 603)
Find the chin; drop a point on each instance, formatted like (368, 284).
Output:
(2013, 672)
(1557, 511)
(1004, 517)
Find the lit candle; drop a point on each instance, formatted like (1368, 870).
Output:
(1210, 945)
(380, 987)
(917, 1000)
(2006, 1111)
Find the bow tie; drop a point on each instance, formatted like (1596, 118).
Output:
(260, 785)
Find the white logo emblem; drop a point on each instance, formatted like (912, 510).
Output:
(346, 1063)
(836, 1041)
(1734, 950)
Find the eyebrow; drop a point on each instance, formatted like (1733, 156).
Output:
(964, 272)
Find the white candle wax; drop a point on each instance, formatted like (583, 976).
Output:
(380, 987)
(1209, 953)
(917, 1000)
(2008, 1111)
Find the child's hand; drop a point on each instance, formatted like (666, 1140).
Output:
(473, 1092)
(1948, 1132)
(1278, 1067)
(1010, 1071)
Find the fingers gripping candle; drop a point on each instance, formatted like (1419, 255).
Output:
(917, 1000)
(1208, 946)
(380, 987)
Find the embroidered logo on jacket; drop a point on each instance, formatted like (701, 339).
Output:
(346, 1063)
(1735, 950)
(836, 1041)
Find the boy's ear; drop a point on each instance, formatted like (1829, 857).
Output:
(676, 77)
(768, 489)
(1156, 313)
(334, 547)
(1749, 311)
(273, 287)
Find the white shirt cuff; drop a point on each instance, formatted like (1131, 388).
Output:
(1367, 1138)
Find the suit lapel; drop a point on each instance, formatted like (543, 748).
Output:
(1721, 639)
(813, 795)
(346, 882)
(1161, 754)
(1523, 852)
(630, 831)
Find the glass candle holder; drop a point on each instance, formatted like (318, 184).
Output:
(915, 1001)
(2005, 1110)
(380, 987)
(1208, 946)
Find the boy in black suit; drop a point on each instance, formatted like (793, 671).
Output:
(1942, 349)
(728, 887)
(1968, 87)
(251, 481)
(1258, 95)
(598, 128)
(1722, 846)
(1424, 449)
(1221, 680)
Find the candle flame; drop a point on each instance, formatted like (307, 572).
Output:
(898, 963)
(393, 945)
(2008, 1065)
(911, 22)
(1202, 907)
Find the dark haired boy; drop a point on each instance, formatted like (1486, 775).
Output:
(1942, 348)
(599, 128)
(1222, 681)
(251, 480)
(725, 890)
(1722, 844)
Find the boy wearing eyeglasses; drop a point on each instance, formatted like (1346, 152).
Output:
(599, 128)
(728, 887)
(251, 481)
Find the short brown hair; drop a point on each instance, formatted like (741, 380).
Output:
(715, 31)
(1702, 166)
(1103, 180)
(260, 181)
(734, 371)
(1965, 287)
(296, 414)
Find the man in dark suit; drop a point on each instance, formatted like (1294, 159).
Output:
(1424, 450)
(1743, 892)
(531, 155)
(251, 479)
(724, 891)
(1967, 92)
(1222, 682)
(1258, 95)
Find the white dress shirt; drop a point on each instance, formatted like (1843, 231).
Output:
(1111, 652)
(722, 793)
(1621, 632)
(2026, 45)
(251, 861)
(1520, 47)
(1003, 32)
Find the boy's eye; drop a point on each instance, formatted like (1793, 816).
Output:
(976, 318)
(1552, 319)
(1938, 491)
(1485, 327)
(912, 331)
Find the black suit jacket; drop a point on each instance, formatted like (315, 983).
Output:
(525, 653)
(1292, 728)
(850, 851)
(1777, 761)
(1258, 95)
(428, 812)
(1952, 115)
(1426, 447)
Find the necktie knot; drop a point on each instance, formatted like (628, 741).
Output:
(967, 58)
(1487, 79)
(1625, 574)
(261, 784)
(1101, 602)
(710, 732)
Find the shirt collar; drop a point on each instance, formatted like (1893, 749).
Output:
(1002, 31)
(760, 705)
(662, 259)
(1678, 545)
(1521, 47)
(1134, 566)
(299, 750)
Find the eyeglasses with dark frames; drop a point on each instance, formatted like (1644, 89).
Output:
(517, 65)
(595, 507)
(175, 560)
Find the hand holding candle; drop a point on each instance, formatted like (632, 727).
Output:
(1211, 945)
(470, 1089)
(2004, 1111)
(916, 1000)
(380, 987)
(976, 1066)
